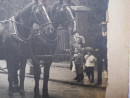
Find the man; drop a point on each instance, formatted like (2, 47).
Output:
(101, 48)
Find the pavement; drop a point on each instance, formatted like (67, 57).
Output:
(60, 72)
(56, 90)
(61, 84)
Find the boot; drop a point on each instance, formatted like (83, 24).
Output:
(81, 77)
(76, 78)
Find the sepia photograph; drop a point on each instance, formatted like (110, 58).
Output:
(60, 49)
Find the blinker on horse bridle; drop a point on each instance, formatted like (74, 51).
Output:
(68, 21)
(43, 25)
(36, 29)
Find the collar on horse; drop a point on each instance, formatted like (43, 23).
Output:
(23, 25)
(45, 40)
(16, 33)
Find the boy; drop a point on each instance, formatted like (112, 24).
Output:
(90, 62)
(78, 60)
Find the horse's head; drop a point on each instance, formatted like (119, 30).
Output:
(41, 18)
(64, 16)
(33, 13)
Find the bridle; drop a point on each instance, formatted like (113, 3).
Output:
(31, 28)
(43, 25)
(70, 20)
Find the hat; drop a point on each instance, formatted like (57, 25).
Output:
(78, 47)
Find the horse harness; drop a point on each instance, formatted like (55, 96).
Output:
(16, 33)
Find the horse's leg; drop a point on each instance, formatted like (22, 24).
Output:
(36, 64)
(47, 65)
(16, 78)
(22, 75)
(10, 67)
(16, 81)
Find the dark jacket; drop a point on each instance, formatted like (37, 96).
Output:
(79, 59)
(101, 45)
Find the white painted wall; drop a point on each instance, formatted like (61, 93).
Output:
(118, 51)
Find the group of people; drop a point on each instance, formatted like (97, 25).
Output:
(83, 56)
(89, 57)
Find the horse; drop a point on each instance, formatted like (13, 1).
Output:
(43, 46)
(15, 34)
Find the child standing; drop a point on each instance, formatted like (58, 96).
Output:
(78, 60)
(90, 62)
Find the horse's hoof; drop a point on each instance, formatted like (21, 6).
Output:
(37, 96)
(45, 96)
(10, 93)
(12, 89)
(16, 88)
(23, 96)
(21, 91)
(36, 93)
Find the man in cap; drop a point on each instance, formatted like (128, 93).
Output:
(101, 48)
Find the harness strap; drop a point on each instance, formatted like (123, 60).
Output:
(46, 41)
(23, 25)
(16, 34)
(45, 25)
